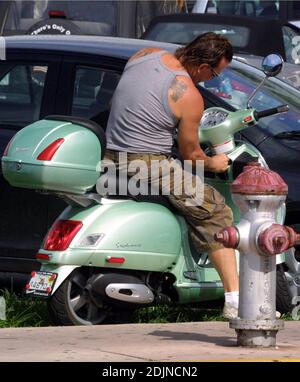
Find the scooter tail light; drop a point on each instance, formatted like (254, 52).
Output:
(61, 235)
(48, 152)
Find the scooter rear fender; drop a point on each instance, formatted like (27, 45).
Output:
(124, 235)
(62, 271)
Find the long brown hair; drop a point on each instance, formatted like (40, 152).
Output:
(208, 48)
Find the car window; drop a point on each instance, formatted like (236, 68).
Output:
(21, 93)
(182, 33)
(252, 8)
(93, 90)
(98, 19)
(295, 10)
(236, 84)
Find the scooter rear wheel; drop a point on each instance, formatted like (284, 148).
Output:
(73, 304)
(283, 292)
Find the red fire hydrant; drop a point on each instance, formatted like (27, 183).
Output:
(259, 192)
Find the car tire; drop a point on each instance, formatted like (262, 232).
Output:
(54, 27)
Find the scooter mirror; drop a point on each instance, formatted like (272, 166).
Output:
(272, 64)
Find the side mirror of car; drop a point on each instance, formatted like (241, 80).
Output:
(272, 65)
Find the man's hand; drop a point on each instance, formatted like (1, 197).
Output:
(217, 163)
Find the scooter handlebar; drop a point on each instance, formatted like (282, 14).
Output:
(268, 112)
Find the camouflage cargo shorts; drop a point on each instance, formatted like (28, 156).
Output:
(204, 220)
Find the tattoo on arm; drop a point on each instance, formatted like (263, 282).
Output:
(178, 89)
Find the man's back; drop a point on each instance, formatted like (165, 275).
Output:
(141, 119)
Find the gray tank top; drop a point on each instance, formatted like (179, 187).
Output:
(141, 119)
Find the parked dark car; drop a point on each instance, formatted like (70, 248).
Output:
(248, 35)
(77, 76)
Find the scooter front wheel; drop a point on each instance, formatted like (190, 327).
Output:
(73, 303)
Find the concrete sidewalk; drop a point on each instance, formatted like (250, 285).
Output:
(196, 341)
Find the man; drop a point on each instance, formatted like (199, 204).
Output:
(156, 93)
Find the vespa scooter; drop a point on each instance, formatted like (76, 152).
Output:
(105, 257)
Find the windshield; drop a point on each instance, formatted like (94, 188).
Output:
(100, 18)
(182, 33)
(236, 84)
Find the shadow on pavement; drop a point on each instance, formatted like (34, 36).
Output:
(169, 335)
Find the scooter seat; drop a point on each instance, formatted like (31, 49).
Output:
(158, 199)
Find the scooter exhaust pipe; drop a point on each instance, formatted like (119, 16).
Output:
(121, 287)
(133, 293)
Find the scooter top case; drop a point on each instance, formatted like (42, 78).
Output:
(58, 153)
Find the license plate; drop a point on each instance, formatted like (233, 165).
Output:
(41, 283)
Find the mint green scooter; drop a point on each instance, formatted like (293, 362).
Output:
(105, 257)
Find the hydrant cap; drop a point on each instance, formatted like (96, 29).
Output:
(258, 180)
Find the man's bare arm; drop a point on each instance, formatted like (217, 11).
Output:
(188, 141)
(192, 108)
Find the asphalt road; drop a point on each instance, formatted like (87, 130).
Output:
(197, 341)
